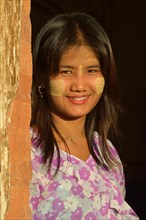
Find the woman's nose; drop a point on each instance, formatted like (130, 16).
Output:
(79, 83)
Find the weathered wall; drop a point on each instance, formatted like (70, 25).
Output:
(15, 84)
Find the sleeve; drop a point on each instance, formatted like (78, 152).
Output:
(118, 173)
(34, 184)
(39, 181)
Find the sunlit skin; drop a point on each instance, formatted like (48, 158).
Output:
(74, 93)
(79, 84)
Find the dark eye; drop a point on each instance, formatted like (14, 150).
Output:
(65, 72)
(93, 71)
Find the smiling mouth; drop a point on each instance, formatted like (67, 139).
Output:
(78, 100)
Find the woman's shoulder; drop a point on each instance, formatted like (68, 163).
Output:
(34, 136)
(36, 150)
(108, 142)
(110, 146)
(33, 130)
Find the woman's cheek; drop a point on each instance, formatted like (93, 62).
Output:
(99, 85)
(57, 87)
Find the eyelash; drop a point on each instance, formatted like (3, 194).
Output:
(93, 71)
(65, 72)
(88, 71)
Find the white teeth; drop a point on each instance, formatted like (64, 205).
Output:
(80, 99)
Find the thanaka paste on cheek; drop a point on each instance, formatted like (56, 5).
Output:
(57, 87)
(99, 83)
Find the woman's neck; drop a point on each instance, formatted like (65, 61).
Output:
(70, 129)
(73, 132)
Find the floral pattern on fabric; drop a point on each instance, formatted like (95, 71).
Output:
(81, 190)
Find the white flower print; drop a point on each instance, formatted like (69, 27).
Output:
(71, 203)
(43, 206)
(66, 185)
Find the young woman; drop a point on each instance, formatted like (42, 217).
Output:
(77, 173)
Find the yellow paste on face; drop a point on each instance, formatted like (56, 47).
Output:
(99, 84)
(80, 69)
(57, 87)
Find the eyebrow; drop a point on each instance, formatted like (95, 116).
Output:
(71, 67)
(64, 66)
(94, 66)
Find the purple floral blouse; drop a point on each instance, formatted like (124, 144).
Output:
(81, 190)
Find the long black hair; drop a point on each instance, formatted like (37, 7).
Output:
(59, 34)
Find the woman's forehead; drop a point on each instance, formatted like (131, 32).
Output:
(78, 55)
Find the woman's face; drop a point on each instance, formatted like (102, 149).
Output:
(77, 88)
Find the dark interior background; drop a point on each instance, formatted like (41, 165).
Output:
(125, 24)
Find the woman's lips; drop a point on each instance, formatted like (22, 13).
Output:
(78, 100)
